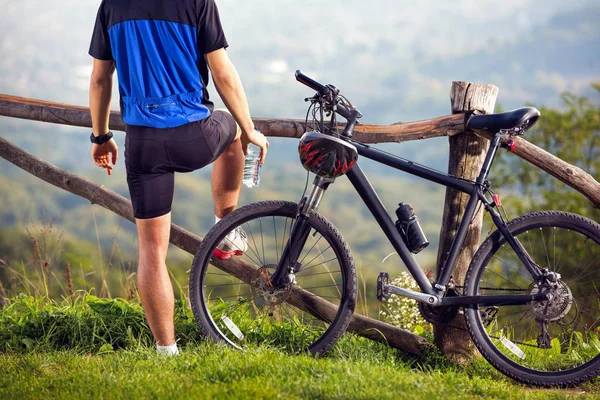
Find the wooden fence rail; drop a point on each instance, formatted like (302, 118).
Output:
(187, 241)
(451, 125)
(466, 157)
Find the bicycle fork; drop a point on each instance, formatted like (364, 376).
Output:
(288, 264)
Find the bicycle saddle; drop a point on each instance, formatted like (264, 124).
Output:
(517, 121)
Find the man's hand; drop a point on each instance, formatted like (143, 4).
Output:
(103, 154)
(258, 139)
(100, 94)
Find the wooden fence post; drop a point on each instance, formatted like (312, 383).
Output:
(467, 152)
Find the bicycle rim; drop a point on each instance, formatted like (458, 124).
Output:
(242, 310)
(552, 342)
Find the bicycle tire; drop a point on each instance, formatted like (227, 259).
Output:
(207, 297)
(566, 351)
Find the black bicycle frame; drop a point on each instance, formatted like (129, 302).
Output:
(372, 201)
(475, 190)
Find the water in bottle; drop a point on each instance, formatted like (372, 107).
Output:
(252, 166)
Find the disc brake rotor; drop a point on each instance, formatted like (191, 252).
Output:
(263, 293)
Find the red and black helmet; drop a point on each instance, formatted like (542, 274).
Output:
(325, 155)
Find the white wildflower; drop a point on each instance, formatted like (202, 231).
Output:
(403, 312)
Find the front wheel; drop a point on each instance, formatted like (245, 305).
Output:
(554, 342)
(230, 291)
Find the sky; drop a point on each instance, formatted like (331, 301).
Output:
(357, 45)
(394, 59)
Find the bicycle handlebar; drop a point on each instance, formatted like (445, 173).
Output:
(311, 83)
(351, 114)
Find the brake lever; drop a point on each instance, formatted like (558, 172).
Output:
(316, 98)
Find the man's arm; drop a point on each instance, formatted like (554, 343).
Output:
(229, 86)
(100, 97)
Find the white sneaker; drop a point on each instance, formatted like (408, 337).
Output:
(172, 350)
(234, 244)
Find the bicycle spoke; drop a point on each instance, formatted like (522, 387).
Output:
(309, 250)
(225, 284)
(545, 248)
(331, 277)
(241, 295)
(251, 235)
(314, 266)
(592, 271)
(579, 265)
(317, 265)
(316, 314)
(524, 314)
(560, 256)
(318, 287)
(554, 248)
(218, 274)
(505, 279)
(323, 296)
(262, 241)
(275, 236)
(283, 236)
(320, 273)
(580, 277)
(252, 260)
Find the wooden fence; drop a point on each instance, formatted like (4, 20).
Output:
(466, 155)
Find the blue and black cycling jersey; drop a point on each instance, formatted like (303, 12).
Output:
(158, 47)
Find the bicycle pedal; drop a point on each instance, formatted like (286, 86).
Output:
(383, 281)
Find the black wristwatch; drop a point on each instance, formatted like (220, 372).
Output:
(102, 138)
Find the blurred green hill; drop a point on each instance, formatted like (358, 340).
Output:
(394, 61)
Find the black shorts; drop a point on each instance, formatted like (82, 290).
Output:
(152, 156)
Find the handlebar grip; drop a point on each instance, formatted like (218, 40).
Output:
(311, 83)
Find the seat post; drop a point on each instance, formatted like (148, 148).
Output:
(489, 159)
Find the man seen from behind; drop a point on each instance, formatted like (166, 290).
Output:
(163, 51)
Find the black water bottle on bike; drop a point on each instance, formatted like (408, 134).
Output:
(410, 229)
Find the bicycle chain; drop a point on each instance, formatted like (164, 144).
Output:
(500, 289)
(441, 322)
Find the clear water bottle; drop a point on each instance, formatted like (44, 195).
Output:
(252, 165)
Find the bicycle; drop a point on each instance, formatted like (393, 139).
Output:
(529, 297)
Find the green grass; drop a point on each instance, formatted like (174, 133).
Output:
(208, 371)
(83, 322)
(85, 347)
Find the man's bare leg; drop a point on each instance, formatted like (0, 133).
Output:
(154, 284)
(227, 177)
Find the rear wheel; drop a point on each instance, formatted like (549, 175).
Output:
(554, 342)
(233, 302)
